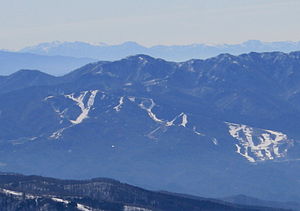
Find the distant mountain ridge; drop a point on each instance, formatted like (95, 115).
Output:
(11, 62)
(222, 126)
(172, 52)
(251, 201)
(59, 58)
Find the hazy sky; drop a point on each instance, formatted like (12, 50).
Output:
(148, 22)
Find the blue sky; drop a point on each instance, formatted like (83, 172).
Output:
(169, 22)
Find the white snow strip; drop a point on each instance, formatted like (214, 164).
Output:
(179, 120)
(132, 208)
(250, 159)
(196, 132)
(47, 98)
(215, 141)
(83, 207)
(85, 109)
(60, 200)
(119, 106)
(149, 111)
(14, 193)
(161, 121)
(10, 192)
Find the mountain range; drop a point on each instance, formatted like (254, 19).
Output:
(30, 193)
(172, 52)
(59, 58)
(222, 126)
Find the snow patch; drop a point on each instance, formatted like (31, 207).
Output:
(18, 194)
(119, 106)
(245, 154)
(259, 144)
(60, 200)
(215, 141)
(143, 60)
(132, 99)
(79, 206)
(29, 196)
(184, 120)
(132, 208)
(83, 207)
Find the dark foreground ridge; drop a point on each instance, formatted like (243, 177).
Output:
(30, 193)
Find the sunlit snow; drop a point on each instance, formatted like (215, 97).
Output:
(85, 108)
(259, 144)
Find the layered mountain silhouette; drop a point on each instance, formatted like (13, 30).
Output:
(173, 52)
(11, 62)
(222, 126)
(59, 58)
(19, 192)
